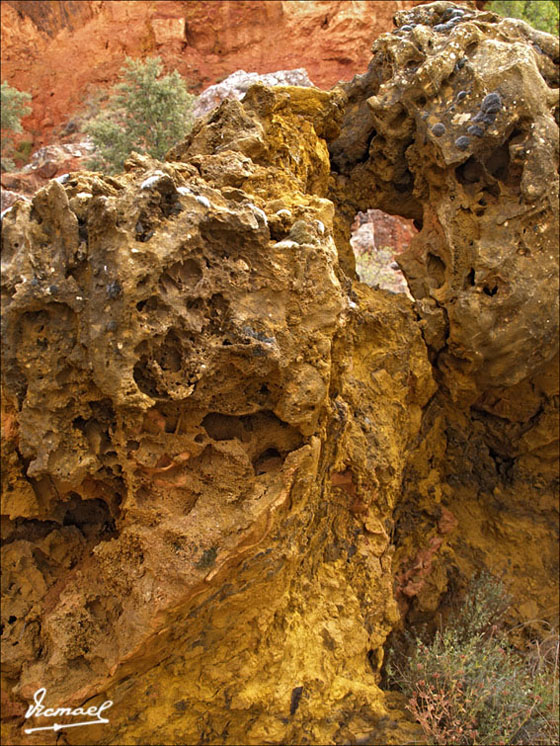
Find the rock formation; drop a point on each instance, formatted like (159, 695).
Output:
(455, 125)
(44, 164)
(230, 469)
(238, 83)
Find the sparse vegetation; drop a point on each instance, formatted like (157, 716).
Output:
(22, 152)
(541, 14)
(146, 112)
(13, 108)
(470, 686)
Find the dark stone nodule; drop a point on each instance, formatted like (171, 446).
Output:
(491, 102)
(462, 142)
(114, 289)
(475, 130)
(438, 129)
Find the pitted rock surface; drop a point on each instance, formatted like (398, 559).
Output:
(462, 135)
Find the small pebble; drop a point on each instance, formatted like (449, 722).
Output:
(406, 28)
(111, 326)
(462, 142)
(440, 28)
(34, 282)
(438, 129)
(475, 130)
(53, 289)
(203, 200)
(489, 117)
(461, 63)
(461, 95)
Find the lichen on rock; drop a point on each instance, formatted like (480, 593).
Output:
(231, 470)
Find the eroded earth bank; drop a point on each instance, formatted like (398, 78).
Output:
(230, 469)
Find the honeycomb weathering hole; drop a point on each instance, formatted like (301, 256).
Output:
(268, 461)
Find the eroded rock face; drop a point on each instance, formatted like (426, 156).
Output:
(227, 464)
(182, 444)
(456, 125)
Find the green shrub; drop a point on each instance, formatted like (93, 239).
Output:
(469, 686)
(541, 14)
(22, 152)
(146, 113)
(12, 109)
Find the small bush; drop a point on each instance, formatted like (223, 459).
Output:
(468, 686)
(541, 14)
(146, 113)
(22, 152)
(13, 108)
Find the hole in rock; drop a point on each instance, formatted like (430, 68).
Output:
(103, 411)
(185, 274)
(470, 279)
(223, 426)
(377, 240)
(169, 355)
(146, 380)
(436, 269)
(263, 435)
(195, 304)
(268, 461)
(469, 172)
(490, 291)
(218, 305)
(92, 517)
(498, 163)
(149, 304)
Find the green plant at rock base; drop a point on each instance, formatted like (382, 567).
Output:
(13, 108)
(541, 14)
(22, 152)
(469, 686)
(146, 113)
